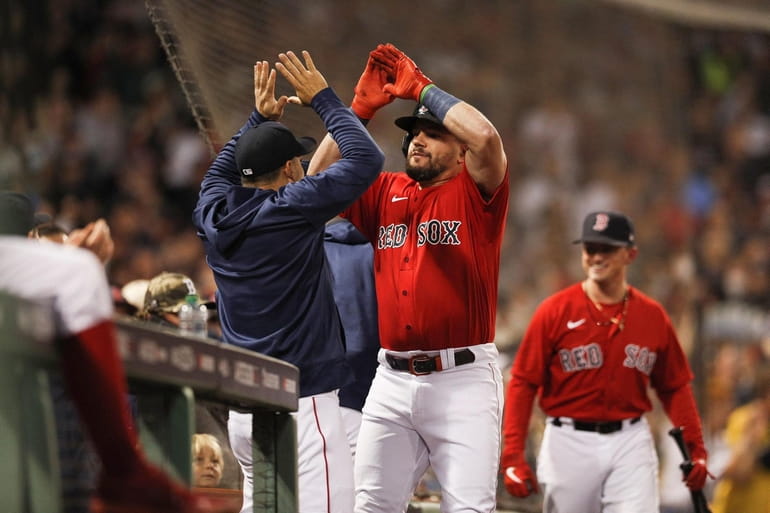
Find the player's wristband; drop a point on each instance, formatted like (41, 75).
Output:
(425, 90)
(437, 100)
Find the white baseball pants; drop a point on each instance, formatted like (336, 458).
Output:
(449, 420)
(598, 473)
(324, 465)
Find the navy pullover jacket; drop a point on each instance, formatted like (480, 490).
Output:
(351, 259)
(266, 250)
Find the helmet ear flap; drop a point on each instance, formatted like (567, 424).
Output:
(405, 143)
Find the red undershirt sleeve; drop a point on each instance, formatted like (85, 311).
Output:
(520, 396)
(679, 405)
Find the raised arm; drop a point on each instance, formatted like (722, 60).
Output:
(223, 172)
(485, 158)
(358, 158)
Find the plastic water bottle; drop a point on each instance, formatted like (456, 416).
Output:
(193, 317)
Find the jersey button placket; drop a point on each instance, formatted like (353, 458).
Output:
(407, 268)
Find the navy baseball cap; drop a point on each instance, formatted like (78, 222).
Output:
(17, 214)
(266, 147)
(606, 227)
(420, 112)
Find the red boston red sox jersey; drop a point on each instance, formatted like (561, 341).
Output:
(436, 259)
(588, 368)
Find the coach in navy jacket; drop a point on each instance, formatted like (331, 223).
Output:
(266, 250)
(266, 245)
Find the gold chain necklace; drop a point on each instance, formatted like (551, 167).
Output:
(618, 320)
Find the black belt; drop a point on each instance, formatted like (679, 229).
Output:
(596, 427)
(423, 364)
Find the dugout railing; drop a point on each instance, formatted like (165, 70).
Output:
(166, 372)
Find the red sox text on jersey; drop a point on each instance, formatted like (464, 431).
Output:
(590, 357)
(431, 232)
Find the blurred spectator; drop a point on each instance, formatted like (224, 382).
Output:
(95, 236)
(744, 485)
(207, 460)
(164, 295)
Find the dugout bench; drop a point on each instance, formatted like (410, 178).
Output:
(166, 372)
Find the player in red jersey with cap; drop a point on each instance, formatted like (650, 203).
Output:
(590, 352)
(436, 399)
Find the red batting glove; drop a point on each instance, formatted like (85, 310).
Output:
(369, 96)
(696, 477)
(520, 481)
(387, 56)
(409, 80)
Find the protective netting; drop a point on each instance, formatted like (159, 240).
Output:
(210, 47)
(500, 56)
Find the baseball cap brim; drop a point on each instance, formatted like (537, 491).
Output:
(407, 122)
(133, 293)
(600, 240)
(306, 144)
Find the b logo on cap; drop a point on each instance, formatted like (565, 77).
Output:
(601, 222)
(247, 171)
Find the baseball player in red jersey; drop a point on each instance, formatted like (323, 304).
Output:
(436, 398)
(590, 352)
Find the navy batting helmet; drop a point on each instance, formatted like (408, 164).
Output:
(407, 123)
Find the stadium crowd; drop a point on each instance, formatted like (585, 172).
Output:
(681, 144)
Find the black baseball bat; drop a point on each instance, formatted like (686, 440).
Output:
(699, 503)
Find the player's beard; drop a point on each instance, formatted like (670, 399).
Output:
(423, 173)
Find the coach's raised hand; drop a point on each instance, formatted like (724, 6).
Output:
(409, 80)
(369, 94)
(264, 92)
(304, 78)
